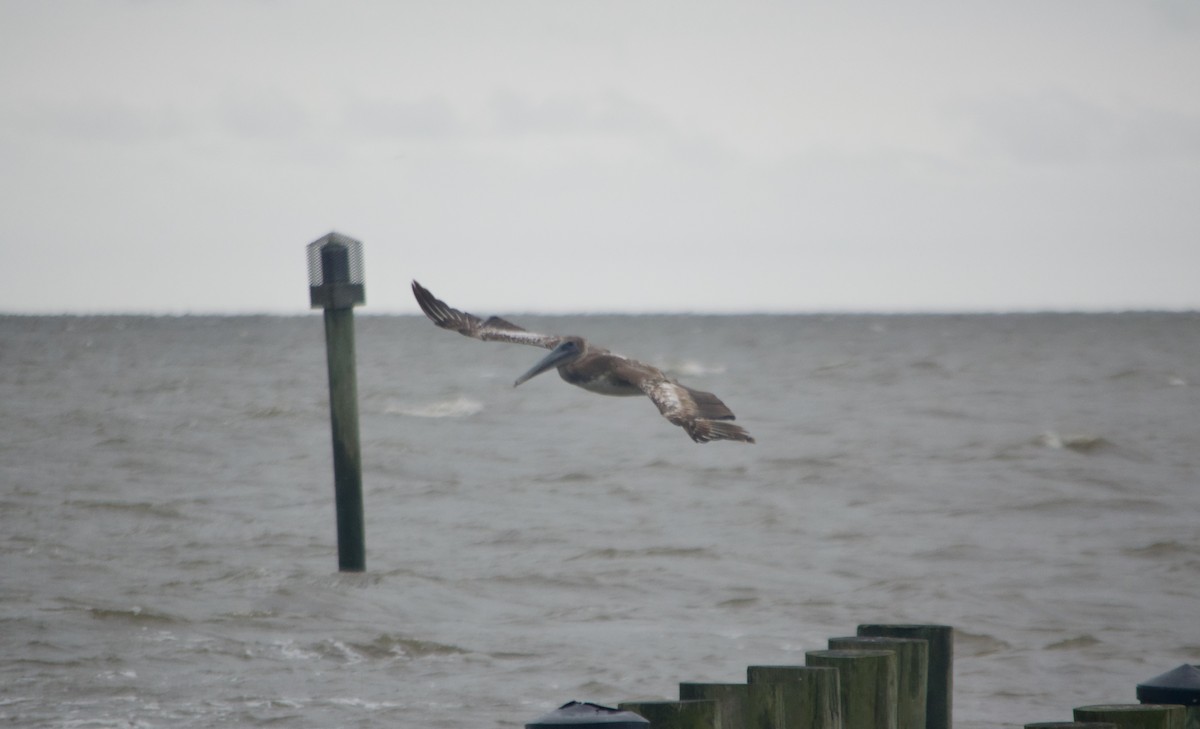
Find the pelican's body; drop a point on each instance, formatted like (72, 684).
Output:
(600, 372)
(595, 369)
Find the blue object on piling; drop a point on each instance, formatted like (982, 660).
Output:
(336, 284)
(1177, 686)
(576, 714)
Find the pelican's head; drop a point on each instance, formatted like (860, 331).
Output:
(570, 349)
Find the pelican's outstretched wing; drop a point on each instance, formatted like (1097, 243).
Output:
(494, 329)
(701, 414)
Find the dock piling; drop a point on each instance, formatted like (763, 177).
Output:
(703, 714)
(805, 697)
(912, 671)
(939, 689)
(868, 685)
(336, 285)
(1134, 716)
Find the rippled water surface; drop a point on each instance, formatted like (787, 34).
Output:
(169, 556)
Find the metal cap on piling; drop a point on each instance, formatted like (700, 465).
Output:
(1178, 686)
(576, 715)
(335, 272)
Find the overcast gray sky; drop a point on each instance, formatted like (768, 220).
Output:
(602, 155)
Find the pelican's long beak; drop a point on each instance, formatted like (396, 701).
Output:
(558, 354)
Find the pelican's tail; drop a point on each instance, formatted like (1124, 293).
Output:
(703, 430)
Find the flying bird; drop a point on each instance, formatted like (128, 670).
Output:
(701, 414)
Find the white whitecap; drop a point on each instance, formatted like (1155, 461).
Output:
(458, 407)
(694, 368)
(1080, 443)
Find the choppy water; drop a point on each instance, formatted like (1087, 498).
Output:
(167, 533)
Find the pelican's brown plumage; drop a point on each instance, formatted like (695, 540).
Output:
(701, 414)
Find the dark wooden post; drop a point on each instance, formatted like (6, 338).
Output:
(335, 284)
(868, 685)
(912, 669)
(676, 714)
(808, 696)
(733, 701)
(1135, 716)
(939, 695)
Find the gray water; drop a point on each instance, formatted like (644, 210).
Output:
(169, 554)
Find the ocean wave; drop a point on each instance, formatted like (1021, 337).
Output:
(693, 368)
(1080, 443)
(567, 477)
(1073, 505)
(1170, 379)
(614, 553)
(267, 412)
(388, 645)
(458, 407)
(358, 703)
(137, 508)
(1081, 641)
(1159, 550)
(978, 644)
(290, 650)
(134, 614)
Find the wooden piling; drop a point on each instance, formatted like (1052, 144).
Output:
(335, 284)
(734, 702)
(873, 681)
(803, 697)
(939, 689)
(1134, 716)
(868, 685)
(347, 459)
(677, 714)
(912, 669)
(1071, 725)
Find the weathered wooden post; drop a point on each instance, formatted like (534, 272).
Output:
(939, 695)
(733, 701)
(335, 278)
(912, 669)
(1134, 716)
(676, 714)
(808, 696)
(868, 686)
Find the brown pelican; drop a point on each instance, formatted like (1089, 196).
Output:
(701, 414)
